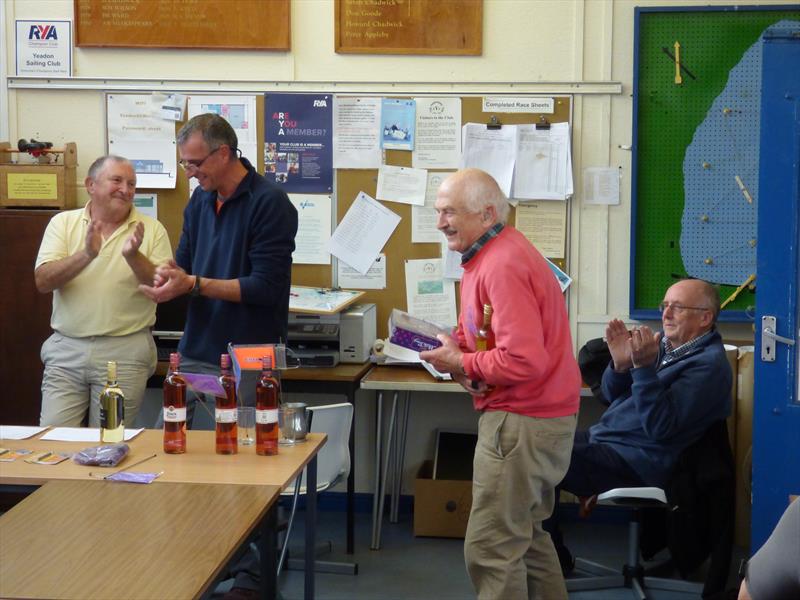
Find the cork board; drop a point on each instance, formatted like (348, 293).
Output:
(399, 247)
(253, 25)
(440, 27)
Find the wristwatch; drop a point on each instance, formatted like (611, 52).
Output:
(196, 287)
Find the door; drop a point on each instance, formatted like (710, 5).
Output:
(776, 412)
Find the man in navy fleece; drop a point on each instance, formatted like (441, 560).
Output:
(663, 390)
(235, 253)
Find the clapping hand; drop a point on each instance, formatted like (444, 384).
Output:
(134, 241)
(169, 281)
(644, 346)
(618, 339)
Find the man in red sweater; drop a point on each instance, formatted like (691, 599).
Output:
(526, 386)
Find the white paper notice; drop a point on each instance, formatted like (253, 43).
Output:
(313, 229)
(545, 226)
(239, 111)
(356, 133)
(600, 185)
(147, 141)
(424, 218)
(429, 295)
(402, 184)
(438, 143)
(492, 150)
(375, 279)
(171, 106)
(147, 204)
(452, 263)
(363, 232)
(544, 166)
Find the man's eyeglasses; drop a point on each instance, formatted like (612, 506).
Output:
(196, 163)
(678, 309)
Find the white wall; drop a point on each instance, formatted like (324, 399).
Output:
(526, 42)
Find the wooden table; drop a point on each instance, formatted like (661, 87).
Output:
(396, 379)
(200, 464)
(97, 539)
(342, 379)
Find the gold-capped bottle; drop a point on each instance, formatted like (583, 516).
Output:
(112, 408)
(484, 340)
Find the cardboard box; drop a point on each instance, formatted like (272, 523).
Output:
(441, 506)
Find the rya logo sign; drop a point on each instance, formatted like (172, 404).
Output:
(43, 32)
(320, 103)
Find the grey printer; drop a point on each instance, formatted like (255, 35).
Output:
(325, 340)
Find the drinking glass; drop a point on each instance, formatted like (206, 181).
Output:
(247, 424)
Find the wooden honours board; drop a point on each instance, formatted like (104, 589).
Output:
(224, 24)
(444, 27)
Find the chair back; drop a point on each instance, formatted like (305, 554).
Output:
(333, 460)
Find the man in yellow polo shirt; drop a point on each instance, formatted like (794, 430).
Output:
(93, 260)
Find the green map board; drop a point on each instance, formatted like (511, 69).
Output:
(667, 116)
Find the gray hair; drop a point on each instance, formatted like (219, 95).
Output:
(215, 130)
(479, 190)
(100, 163)
(711, 296)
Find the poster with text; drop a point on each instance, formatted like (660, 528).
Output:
(298, 142)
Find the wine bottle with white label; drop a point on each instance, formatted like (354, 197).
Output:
(225, 413)
(268, 393)
(174, 408)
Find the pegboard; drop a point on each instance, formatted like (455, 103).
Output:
(696, 150)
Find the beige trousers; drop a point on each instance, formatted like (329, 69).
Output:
(75, 374)
(518, 462)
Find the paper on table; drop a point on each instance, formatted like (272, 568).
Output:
(402, 184)
(83, 434)
(363, 232)
(492, 150)
(19, 432)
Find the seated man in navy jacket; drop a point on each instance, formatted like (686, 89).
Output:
(664, 390)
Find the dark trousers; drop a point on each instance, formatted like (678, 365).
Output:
(593, 469)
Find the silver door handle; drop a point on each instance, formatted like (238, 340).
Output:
(778, 338)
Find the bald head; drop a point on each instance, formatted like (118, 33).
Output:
(475, 190)
(689, 310)
(468, 204)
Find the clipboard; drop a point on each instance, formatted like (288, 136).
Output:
(315, 300)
